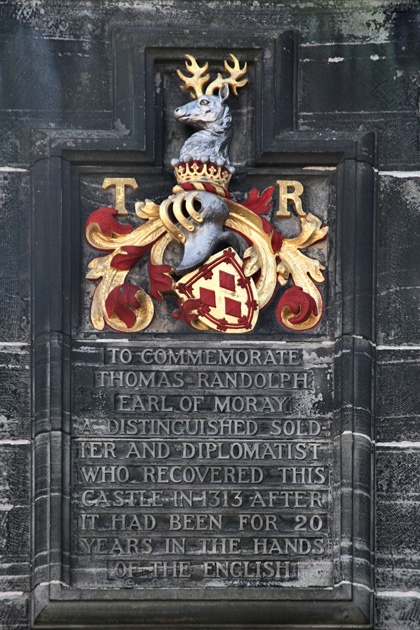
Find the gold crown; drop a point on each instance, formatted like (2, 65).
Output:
(199, 172)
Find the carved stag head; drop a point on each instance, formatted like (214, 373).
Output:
(207, 108)
(208, 112)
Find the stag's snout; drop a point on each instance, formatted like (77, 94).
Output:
(179, 113)
(201, 112)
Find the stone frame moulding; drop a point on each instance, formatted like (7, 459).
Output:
(58, 159)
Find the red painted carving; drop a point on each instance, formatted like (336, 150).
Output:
(299, 302)
(104, 217)
(119, 301)
(185, 310)
(260, 204)
(160, 280)
(130, 258)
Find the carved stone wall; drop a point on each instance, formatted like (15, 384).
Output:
(87, 91)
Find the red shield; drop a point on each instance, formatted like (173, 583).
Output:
(219, 296)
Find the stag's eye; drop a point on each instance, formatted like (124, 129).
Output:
(204, 101)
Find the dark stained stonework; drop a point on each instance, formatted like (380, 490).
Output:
(79, 100)
(89, 551)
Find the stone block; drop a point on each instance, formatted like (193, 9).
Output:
(398, 269)
(15, 402)
(14, 242)
(398, 396)
(14, 611)
(394, 612)
(15, 517)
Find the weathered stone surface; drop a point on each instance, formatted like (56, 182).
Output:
(398, 376)
(398, 268)
(244, 458)
(378, 41)
(397, 612)
(15, 244)
(15, 403)
(358, 70)
(397, 510)
(382, 93)
(14, 610)
(15, 475)
(94, 546)
(15, 562)
(15, 510)
(398, 472)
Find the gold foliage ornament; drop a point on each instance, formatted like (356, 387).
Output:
(222, 290)
(199, 78)
(270, 260)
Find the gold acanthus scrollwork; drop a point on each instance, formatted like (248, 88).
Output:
(302, 268)
(259, 256)
(292, 261)
(110, 277)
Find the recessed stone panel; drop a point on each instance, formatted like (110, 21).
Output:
(189, 472)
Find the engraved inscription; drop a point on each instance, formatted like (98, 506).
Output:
(202, 462)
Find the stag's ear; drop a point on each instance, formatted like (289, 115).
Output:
(224, 92)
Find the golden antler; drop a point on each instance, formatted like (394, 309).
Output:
(235, 71)
(197, 81)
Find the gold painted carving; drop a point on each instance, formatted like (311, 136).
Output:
(111, 278)
(198, 79)
(159, 231)
(120, 183)
(293, 195)
(195, 172)
(260, 255)
(175, 204)
(303, 269)
(293, 263)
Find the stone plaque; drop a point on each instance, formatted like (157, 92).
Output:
(201, 463)
(201, 445)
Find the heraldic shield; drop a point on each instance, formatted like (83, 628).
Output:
(219, 296)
